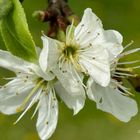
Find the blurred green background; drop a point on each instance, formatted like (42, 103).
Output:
(90, 123)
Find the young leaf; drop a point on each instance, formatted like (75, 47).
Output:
(5, 7)
(2, 45)
(16, 34)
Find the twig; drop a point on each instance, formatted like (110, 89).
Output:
(57, 14)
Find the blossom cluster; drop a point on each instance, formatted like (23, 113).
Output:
(86, 64)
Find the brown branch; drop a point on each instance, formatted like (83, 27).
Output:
(21, 1)
(57, 14)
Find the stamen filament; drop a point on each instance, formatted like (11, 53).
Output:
(129, 52)
(125, 74)
(128, 45)
(35, 98)
(77, 73)
(36, 110)
(118, 76)
(30, 95)
(125, 69)
(129, 62)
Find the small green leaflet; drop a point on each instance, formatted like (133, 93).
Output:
(16, 35)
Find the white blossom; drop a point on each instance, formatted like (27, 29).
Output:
(87, 49)
(115, 98)
(30, 85)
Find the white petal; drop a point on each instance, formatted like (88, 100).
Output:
(111, 101)
(90, 22)
(73, 102)
(50, 53)
(13, 94)
(113, 43)
(13, 63)
(113, 36)
(69, 79)
(70, 35)
(47, 116)
(43, 58)
(48, 76)
(96, 62)
(89, 89)
(96, 37)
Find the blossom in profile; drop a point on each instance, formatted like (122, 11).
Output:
(115, 98)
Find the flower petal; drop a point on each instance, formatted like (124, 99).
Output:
(49, 54)
(45, 75)
(89, 29)
(47, 115)
(114, 43)
(13, 94)
(70, 35)
(73, 102)
(96, 63)
(89, 89)
(113, 36)
(13, 63)
(112, 101)
(70, 79)
(43, 58)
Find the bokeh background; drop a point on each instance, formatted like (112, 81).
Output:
(90, 123)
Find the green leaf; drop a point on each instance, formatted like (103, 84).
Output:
(2, 45)
(5, 7)
(16, 35)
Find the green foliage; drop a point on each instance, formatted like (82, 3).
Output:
(5, 7)
(16, 35)
(2, 45)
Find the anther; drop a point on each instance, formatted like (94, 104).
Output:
(64, 71)
(90, 44)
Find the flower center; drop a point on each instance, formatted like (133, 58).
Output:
(69, 51)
